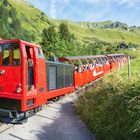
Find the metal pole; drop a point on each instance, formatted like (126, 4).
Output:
(129, 69)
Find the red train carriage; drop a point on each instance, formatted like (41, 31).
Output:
(117, 60)
(87, 68)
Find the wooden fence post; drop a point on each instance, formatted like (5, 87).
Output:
(129, 69)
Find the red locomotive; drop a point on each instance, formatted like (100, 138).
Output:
(28, 81)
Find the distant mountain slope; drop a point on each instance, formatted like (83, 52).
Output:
(104, 24)
(35, 21)
(107, 24)
(105, 35)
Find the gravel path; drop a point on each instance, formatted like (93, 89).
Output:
(56, 122)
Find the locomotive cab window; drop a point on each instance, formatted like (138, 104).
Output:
(39, 53)
(9, 54)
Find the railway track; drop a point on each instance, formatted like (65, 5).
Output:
(4, 127)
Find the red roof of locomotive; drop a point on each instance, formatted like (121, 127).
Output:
(18, 40)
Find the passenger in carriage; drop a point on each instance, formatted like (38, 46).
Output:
(76, 68)
(125, 59)
(98, 64)
(94, 64)
(107, 62)
(88, 65)
(103, 62)
(83, 68)
(113, 60)
(80, 68)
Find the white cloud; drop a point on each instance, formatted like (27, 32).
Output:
(92, 1)
(53, 9)
(130, 3)
(66, 1)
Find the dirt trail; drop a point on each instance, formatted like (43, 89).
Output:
(56, 122)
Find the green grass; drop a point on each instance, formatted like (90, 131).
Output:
(112, 110)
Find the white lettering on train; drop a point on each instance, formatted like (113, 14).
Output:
(97, 73)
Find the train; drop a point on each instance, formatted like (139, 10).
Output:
(28, 81)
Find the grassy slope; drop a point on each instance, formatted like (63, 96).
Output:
(107, 35)
(30, 17)
(34, 23)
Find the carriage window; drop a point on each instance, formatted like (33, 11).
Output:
(105, 61)
(9, 54)
(99, 62)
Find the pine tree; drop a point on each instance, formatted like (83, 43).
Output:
(13, 13)
(5, 3)
(64, 32)
(16, 24)
(49, 41)
(3, 13)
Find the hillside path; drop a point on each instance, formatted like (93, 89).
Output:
(56, 122)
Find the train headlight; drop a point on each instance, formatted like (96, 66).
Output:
(18, 88)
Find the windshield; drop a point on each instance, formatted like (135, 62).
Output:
(9, 54)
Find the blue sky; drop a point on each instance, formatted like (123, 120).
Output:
(127, 11)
